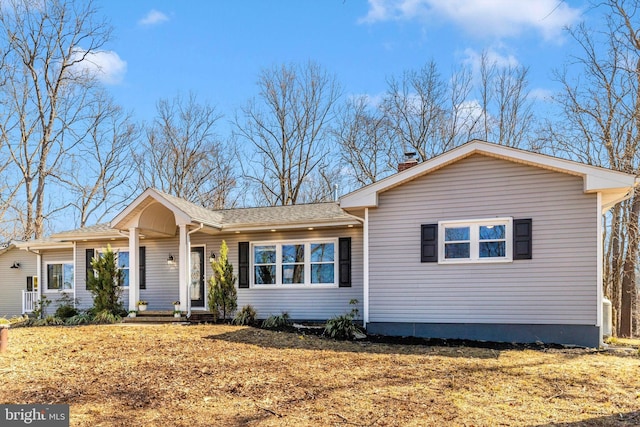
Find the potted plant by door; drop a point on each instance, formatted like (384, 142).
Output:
(176, 305)
(177, 313)
(142, 305)
(132, 313)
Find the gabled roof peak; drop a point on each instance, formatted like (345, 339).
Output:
(596, 179)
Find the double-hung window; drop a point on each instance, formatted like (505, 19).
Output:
(294, 263)
(487, 240)
(122, 261)
(60, 276)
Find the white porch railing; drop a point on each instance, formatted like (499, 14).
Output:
(29, 301)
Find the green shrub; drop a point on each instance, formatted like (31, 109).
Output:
(41, 307)
(280, 321)
(342, 327)
(106, 285)
(105, 317)
(222, 294)
(246, 316)
(66, 311)
(79, 319)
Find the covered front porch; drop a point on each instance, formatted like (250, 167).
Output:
(152, 223)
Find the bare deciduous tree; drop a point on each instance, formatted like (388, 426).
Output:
(507, 114)
(183, 156)
(99, 170)
(415, 106)
(45, 95)
(366, 142)
(601, 105)
(286, 127)
(425, 113)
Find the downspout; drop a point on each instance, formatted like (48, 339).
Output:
(75, 275)
(357, 218)
(196, 229)
(599, 269)
(365, 268)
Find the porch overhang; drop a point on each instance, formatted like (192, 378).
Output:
(154, 215)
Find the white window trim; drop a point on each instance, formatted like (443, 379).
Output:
(307, 264)
(46, 289)
(474, 227)
(115, 251)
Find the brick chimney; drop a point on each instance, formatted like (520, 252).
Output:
(410, 161)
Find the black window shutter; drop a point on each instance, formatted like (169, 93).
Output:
(243, 264)
(429, 243)
(142, 264)
(88, 256)
(522, 238)
(344, 256)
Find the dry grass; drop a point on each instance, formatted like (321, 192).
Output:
(226, 376)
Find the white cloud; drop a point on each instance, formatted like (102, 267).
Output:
(541, 94)
(106, 66)
(470, 113)
(371, 100)
(154, 17)
(498, 18)
(492, 56)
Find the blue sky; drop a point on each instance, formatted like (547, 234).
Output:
(217, 48)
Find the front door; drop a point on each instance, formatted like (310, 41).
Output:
(197, 277)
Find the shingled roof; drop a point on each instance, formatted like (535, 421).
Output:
(103, 229)
(293, 216)
(196, 212)
(278, 215)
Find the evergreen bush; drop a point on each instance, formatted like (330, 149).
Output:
(106, 284)
(223, 298)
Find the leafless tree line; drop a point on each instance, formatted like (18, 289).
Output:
(67, 149)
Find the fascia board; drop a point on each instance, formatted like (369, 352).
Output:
(290, 226)
(44, 245)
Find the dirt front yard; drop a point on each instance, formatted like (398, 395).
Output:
(215, 375)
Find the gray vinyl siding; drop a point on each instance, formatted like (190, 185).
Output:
(52, 256)
(14, 280)
(558, 286)
(301, 303)
(162, 279)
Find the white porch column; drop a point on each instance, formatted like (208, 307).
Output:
(134, 268)
(183, 269)
(38, 275)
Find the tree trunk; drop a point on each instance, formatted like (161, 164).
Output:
(628, 291)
